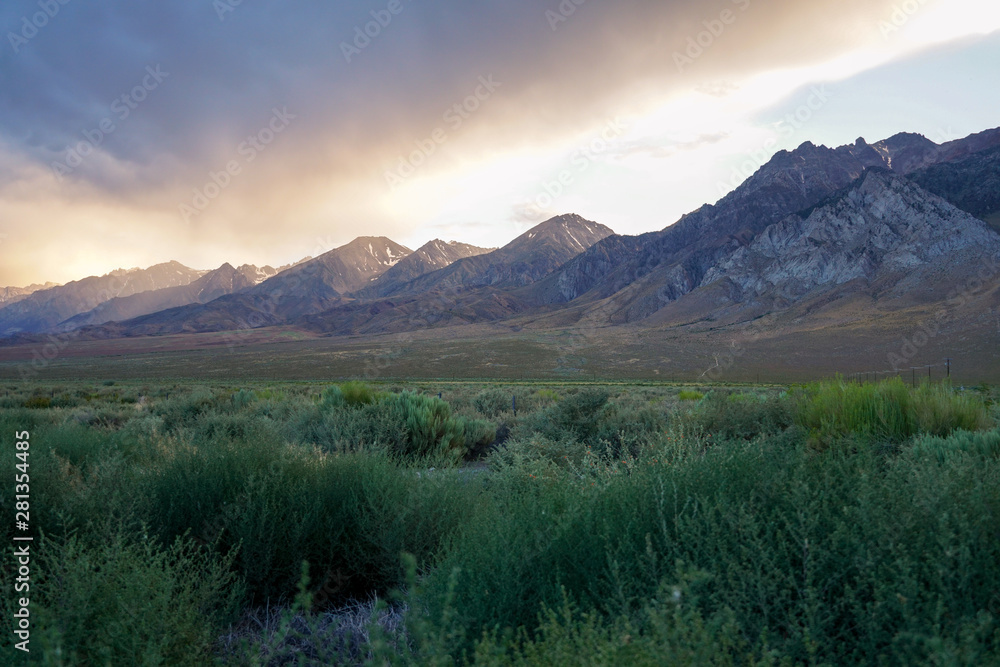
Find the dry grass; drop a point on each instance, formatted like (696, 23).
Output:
(279, 636)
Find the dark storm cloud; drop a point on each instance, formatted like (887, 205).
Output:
(228, 65)
(224, 68)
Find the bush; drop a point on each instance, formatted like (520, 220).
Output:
(867, 560)
(38, 403)
(982, 446)
(243, 399)
(187, 408)
(124, 600)
(690, 395)
(492, 403)
(741, 416)
(941, 410)
(627, 430)
(545, 397)
(576, 416)
(606, 531)
(431, 430)
(333, 397)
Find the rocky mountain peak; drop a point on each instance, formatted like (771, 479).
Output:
(882, 230)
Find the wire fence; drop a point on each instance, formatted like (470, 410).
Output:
(914, 373)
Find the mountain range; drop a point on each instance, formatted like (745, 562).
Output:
(817, 235)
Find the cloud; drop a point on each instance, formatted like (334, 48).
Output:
(325, 175)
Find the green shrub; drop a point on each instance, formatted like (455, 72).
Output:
(243, 399)
(38, 403)
(838, 558)
(75, 443)
(332, 397)
(126, 601)
(357, 393)
(479, 435)
(545, 397)
(740, 416)
(690, 395)
(626, 430)
(961, 443)
(351, 429)
(103, 416)
(654, 541)
(187, 408)
(575, 416)
(493, 402)
(670, 624)
(430, 428)
(236, 428)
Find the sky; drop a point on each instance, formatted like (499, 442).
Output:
(134, 132)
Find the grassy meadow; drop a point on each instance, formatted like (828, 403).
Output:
(299, 523)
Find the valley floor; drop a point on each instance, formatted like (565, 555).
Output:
(702, 352)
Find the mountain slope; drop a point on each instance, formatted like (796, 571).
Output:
(307, 288)
(528, 258)
(894, 242)
(338, 272)
(44, 309)
(642, 275)
(430, 257)
(477, 289)
(648, 272)
(9, 295)
(971, 183)
(217, 283)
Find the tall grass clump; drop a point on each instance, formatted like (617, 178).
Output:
(887, 412)
(689, 395)
(357, 393)
(941, 410)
